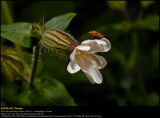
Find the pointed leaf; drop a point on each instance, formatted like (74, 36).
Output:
(60, 22)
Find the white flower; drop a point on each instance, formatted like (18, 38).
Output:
(83, 57)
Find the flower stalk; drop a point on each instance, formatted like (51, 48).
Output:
(36, 53)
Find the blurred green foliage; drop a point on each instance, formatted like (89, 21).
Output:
(118, 5)
(145, 4)
(48, 92)
(132, 75)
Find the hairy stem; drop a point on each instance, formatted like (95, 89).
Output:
(36, 53)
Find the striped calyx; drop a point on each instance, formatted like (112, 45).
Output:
(58, 43)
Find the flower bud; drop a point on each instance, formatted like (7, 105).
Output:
(12, 65)
(58, 43)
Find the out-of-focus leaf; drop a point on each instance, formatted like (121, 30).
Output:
(9, 93)
(47, 92)
(150, 22)
(153, 99)
(5, 14)
(11, 63)
(60, 22)
(122, 27)
(146, 99)
(19, 33)
(118, 5)
(145, 4)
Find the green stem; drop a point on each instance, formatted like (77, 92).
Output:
(36, 53)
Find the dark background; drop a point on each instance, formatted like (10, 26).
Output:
(131, 76)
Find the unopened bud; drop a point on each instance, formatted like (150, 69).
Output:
(12, 65)
(58, 43)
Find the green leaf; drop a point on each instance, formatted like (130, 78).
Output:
(47, 92)
(19, 33)
(150, 22)
(60, 22)
(123, 27)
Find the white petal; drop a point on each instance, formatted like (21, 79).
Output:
(108, 44)
(72, 55)
(83, 47)
(96, 45)
(100, 42)
(84, 61)
(73, 67)
(95, 40)
(86, 41)
(88, 67)
(94, 76)
(99, 61)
